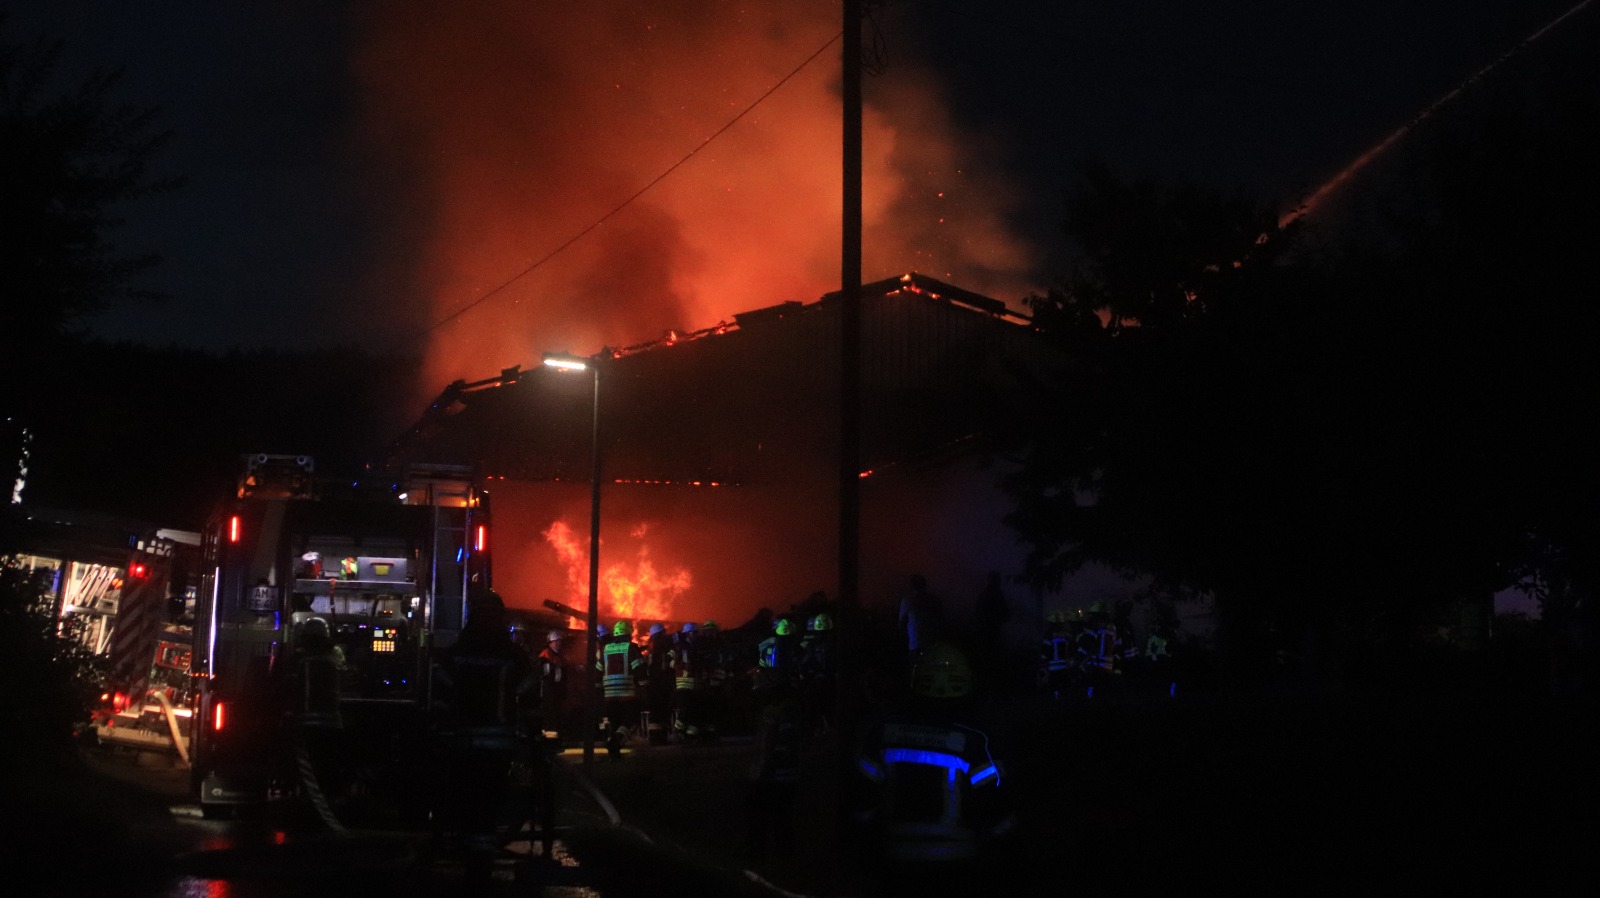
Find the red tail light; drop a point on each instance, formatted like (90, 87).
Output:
(218, 716)
(483, 539)
(119, 701)
(233, 529)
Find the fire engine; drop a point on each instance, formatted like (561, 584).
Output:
(158, 714)
(383, 569)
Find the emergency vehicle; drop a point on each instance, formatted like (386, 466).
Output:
(160, 715)
(385, 568)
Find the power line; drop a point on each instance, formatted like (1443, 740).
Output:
(629, 201)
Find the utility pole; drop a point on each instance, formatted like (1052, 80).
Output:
(850, 643)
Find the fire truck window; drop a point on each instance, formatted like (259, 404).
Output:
(353, 605)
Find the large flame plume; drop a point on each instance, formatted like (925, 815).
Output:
(516, 126)
(634, 589)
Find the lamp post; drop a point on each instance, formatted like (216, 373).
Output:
(564, 362)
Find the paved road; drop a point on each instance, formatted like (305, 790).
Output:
(1269, 795)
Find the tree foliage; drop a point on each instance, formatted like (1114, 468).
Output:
(1338, 449)
(53, 682)
(73, 157)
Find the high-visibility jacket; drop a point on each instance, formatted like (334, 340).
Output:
(1058, 652)
(1155, 648)
(620, 661)
(685, 674)
(1100, 647)
(937, 790)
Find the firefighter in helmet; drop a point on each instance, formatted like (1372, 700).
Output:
(1058, 652)
(777, 657)
(1099, 648)
(934, 790)
(621, 665)
(658, 683)
(485, 702)
(775, 774)
(554, 673)
(684, 660)
(712, 669)
(819, 664)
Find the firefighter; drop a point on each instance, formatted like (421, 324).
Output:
(1158, 660)
(775, 774)
(713, 673)
(934, 792)
(620, 665)
(658, 683)
(318, 661)
(686, 686)
(1059, 654)
(777, 657)
(486, 705)
(554, 673)
(1099, 648)
(921, 616)
(819, 659)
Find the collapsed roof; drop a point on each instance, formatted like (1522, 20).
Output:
(747, 401)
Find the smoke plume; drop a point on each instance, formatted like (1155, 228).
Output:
(519, 125)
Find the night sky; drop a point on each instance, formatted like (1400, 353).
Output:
(404, 175)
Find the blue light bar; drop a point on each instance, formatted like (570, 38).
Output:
(984, 774)
(932, 758)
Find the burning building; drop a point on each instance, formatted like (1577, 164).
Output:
(720, 457)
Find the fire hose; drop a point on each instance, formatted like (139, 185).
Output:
(171, 716)
(311, 785)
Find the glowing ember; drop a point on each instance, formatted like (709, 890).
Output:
(633, 589)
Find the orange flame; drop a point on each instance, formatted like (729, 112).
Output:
(634, 589)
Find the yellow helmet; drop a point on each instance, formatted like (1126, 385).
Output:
(783, 627)
(942, 672)
(622, 628)
(822, 623)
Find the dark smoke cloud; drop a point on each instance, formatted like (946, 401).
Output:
(527, 123)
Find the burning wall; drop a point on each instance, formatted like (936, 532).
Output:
(720, 460)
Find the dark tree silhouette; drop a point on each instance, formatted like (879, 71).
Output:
(1350, 452)
(73, 157)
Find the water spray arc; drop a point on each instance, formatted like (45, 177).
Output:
(1314, 199)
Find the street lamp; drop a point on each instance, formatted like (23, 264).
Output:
(565, 362)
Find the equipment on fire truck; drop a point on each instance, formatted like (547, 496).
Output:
(158, 716)
(277, 477)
